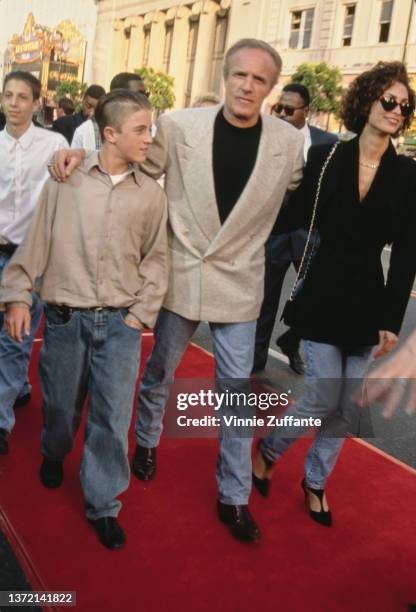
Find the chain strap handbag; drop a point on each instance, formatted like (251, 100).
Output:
(288, 314)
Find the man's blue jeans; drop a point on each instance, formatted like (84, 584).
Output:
(14, 360)
(93, 353)
(233, 351)
(329, 381)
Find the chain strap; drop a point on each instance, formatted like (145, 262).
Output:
(311, 226)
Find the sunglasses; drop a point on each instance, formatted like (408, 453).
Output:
(389, 103)
(289, 110)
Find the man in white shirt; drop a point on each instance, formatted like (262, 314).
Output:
(283, 249)
(24, 154)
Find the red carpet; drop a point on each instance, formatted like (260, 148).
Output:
(178, 555)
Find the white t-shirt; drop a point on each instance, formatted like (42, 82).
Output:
(84, 137)
(117, 178)
(308, 142)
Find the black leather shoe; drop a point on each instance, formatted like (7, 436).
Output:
(295, 360)
(22, 400)
(4, 442)
(144, 463)
(109, 532)
(51, 473)
(240, 522)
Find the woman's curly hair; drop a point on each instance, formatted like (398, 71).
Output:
(369, 87)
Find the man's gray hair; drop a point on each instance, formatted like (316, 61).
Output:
(253, 43)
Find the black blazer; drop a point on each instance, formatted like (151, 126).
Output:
(67, 125)
(344, 300)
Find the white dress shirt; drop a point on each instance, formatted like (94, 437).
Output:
(84, 137)
(308, 142)
(23, 173)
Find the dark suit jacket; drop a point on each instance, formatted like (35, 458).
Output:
(319, 136)
(290, 246)
(344, 300)
(67, 125)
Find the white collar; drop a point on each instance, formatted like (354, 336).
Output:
(25, 140)
(305, 131)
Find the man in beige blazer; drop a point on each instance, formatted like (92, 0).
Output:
(217, 236)
(227, 169)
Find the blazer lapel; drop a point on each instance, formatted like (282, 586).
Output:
(340, 168)
(195, 159)
(260, 186)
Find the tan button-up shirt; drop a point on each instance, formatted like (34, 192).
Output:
(93, 244)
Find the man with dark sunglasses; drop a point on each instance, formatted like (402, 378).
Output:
(283, 249)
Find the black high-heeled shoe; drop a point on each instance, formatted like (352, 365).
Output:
(323, 517)
(262, 484)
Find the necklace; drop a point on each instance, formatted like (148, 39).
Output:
(372, 166)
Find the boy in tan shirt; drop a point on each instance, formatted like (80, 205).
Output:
(98, 245)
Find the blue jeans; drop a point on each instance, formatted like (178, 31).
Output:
(14, 360)
(328, 388)
(233, 351)
(93, 353)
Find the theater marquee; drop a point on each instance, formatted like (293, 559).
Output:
(52, 55)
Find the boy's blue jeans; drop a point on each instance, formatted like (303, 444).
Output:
(94, 353)
(14, 360)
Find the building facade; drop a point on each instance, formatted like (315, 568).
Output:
(185, 40)
(350, 34)
(188, 39)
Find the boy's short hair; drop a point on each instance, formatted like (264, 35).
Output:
(28, 78)
(67, 105)
(114, 108)
(122, 79)
(94, 91)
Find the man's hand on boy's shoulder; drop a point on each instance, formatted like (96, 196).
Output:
(64, 162)
(131, 321)
(17, 321)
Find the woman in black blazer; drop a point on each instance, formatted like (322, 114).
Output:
(344, 308)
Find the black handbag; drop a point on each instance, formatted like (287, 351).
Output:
(289, 310)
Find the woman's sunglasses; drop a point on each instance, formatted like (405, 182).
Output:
(389, 103)
(289, 110)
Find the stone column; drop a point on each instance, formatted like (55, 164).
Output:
(177, 65)
(157, 40)
(135, 55)
(119, 44)
(205, 46)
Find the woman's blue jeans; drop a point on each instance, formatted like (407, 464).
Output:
(330, 377)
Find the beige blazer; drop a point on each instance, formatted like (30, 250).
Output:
(217, 271)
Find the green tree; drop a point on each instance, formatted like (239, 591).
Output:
(74, 89)
(324, 85)
(160, 87)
